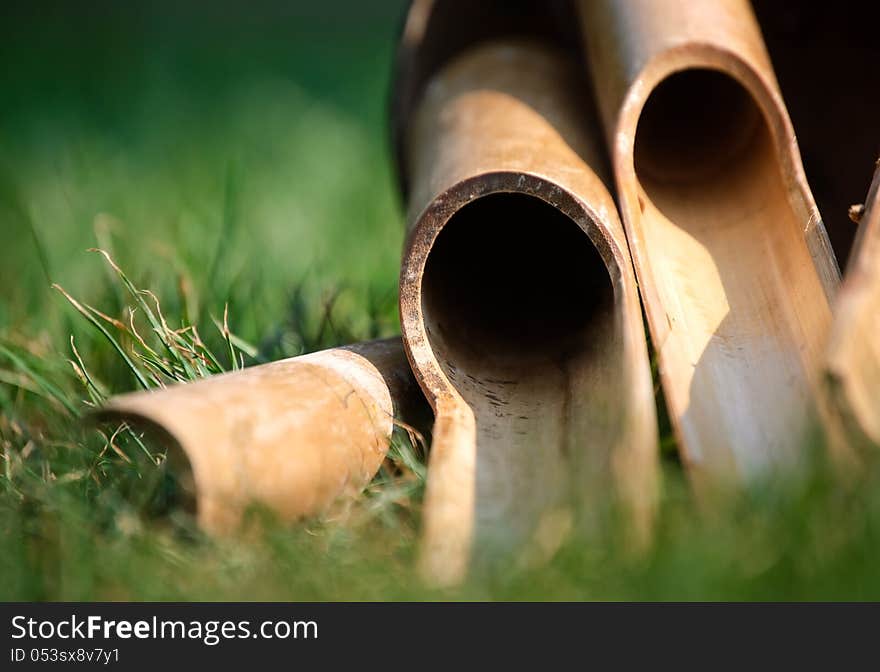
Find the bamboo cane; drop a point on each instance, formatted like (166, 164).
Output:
(520, 313)
(733, 262)
(294, 435)
(853, 364)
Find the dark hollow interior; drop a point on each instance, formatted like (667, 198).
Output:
(511, 278)
(694, 124)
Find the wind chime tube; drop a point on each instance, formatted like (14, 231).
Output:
(734, 266)
(293, 436)
(520, 313)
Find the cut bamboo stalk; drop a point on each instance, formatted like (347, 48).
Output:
(294, 436)
(853, 365)
(520, 314)
(734, 266)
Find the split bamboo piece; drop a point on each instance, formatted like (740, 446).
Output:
(520, 314)
(734, 266)
(853, 364)
(294, 436)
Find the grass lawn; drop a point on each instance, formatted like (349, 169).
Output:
(240, 158)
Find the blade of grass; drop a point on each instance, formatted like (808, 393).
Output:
(50, 389)
(100, 327)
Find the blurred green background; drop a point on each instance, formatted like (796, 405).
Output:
(241, 145)
(231, 152)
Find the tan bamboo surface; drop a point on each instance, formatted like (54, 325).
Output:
(853, 364)
(520, 313)
(734, 266)
(294, 435)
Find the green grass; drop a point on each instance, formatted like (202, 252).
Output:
(240, 160)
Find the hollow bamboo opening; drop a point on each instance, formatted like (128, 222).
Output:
(695, 124)
(510, 282)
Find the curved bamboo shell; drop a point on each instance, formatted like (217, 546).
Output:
(733, 262)
(520, 313)
(294, 435)
(853, 364)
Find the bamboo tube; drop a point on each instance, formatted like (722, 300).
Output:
(520, 314)
(853, 364)
(734, 266)
(294, 435)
